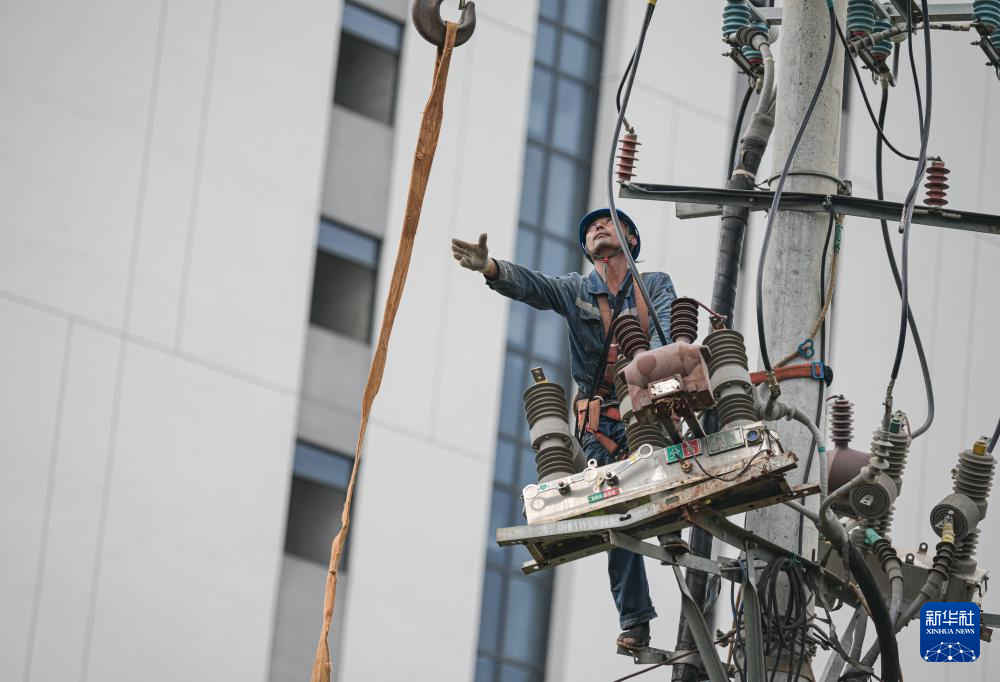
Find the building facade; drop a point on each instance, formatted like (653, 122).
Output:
(201, 206)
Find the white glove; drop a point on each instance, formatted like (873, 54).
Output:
(472, 256)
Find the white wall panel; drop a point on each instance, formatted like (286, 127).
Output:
(195, 525)
(75, 495)
(170, 187)
(32, 353)
(255, 223)
(74, 88)
(417, 534)
(442, 376)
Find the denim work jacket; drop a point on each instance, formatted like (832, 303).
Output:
(574, 296)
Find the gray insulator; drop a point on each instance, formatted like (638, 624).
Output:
(963, 510)
(736, 408)
(973, 477)
(726, 346)
(892, 448)
(637, 435)
(873, 500)
(730, 378)
(551, 439)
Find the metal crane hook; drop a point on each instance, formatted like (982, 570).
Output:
(426, 15)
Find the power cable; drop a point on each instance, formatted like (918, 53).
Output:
(864, 95)
(887, 242)
(822, 358)
(761, 336)
(738, 129)
(911, 196)
(994, 439)
(634, 66)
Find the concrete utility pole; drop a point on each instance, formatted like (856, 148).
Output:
(791, 274)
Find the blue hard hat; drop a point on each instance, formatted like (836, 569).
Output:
(627, 222)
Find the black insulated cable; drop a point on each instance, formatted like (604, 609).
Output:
(650, 6)
(911, 197)
(994, 439)
(879, 613)
(868, 104)
(887, 242)
(737, 129)
(761, 336)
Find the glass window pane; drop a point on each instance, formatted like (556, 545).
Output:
(510, 672)
(558, 257)
(578, 57)
(314, 513)
(526, 626)
(342, 297)
(512, 420)
(565, 196)
(489, 622)
(322, 466)
(549, 337)
(545, 44)
(517, 325)
(531, 184)
(346, 243)
(574, 124)
(541, 95)
(586, 16)
(506, 462)
(375, 28)
(524, 252)
(500, 517)
(549, 8)
(485, 670)
(366, 78)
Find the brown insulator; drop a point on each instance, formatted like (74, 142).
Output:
(628, 332)
(684, 320)
(841, 414)
(937, 183)
(627, 156)
(621, 385)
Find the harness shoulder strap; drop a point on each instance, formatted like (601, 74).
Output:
(602, 303)
(640, 304)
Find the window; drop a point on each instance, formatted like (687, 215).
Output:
(319, 486)
(368, 63)
(514, 621)
(344, 281)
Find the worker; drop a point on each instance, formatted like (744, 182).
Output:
(581, 300)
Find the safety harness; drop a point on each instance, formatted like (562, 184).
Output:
(590, 408)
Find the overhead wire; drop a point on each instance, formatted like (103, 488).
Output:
(761, 335)
(633, 67)
(911, 197)
(887, 242)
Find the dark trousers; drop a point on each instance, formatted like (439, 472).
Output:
(625, 569)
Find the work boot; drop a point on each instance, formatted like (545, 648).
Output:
(636, 637)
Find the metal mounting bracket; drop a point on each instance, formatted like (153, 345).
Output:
(760, 200)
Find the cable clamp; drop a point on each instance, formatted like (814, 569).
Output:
(806, 349)
(818, 370)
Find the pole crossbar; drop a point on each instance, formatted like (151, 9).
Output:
(760, 200)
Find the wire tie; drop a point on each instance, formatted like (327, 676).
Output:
(806, 349)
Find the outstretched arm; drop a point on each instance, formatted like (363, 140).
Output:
(514, 281)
